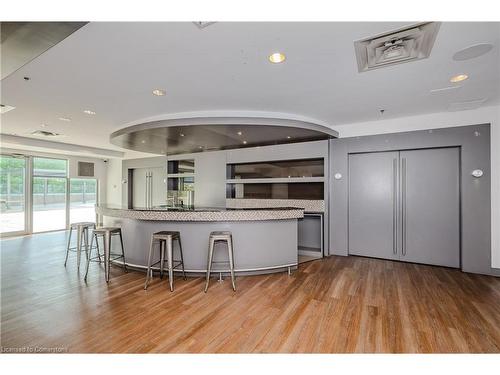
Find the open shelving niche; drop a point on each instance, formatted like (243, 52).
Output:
(289, 179)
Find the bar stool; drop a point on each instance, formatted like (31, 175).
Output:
(212, 239)
(106, 233)
(82, 234)
(165, 239)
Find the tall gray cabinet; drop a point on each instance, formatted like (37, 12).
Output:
(405, 205)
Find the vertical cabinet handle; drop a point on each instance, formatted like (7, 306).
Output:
(403, 203)
(150, 189)
(146, 192)
(395, 206)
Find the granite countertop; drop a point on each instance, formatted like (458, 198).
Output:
(201, 213)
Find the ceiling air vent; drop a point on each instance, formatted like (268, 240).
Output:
(4, 108)
(203, 24)
(44, 133)
(396, 47)
(85, 169)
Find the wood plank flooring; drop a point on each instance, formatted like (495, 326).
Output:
(333, 305)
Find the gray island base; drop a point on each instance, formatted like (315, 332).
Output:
(265, 240)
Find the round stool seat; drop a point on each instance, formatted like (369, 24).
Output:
(103, 230)
(220, 233)
(82, 224)
(165, 235)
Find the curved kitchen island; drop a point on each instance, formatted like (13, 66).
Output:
(265, 240)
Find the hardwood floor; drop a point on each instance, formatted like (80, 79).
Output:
(334, 305)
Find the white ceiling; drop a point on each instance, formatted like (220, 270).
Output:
(112, 68)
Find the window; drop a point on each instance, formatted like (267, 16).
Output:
(49, 194)
(12, 194)
(83, 197)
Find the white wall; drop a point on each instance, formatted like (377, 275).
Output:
(484, 115)
(114, 185)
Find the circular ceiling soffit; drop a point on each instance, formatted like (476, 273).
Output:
(198, 134)
(473, 51)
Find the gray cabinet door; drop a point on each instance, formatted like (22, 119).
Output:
(373, 188)
(430, 206)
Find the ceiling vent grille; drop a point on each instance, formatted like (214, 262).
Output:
(396, 47)
(44, 133)
(203, 24)
(4, 108)
(85, 169)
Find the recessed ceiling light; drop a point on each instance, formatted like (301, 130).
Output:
(459, 78)
(89, 112)
(288, 137)
(143, 141)
(182, 134)
(67, 119)
(244, 142)
(158, 92)
(277, 58)
(239, 133)
(200, 146)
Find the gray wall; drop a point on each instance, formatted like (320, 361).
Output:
(209, 177)
(475, 193)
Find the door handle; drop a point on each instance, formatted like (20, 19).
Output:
(395, 206)
(403, 204)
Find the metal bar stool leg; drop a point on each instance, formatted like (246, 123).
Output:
(90, 254)
(123, 252)
(162, 258)
(107, 251)
(231, 260)
(79, 231)
(182, 258)
(209, 261)
(150, 257)
(170, 264)
(94, 235)
(69, 245)
(97, 247)
(85, 234)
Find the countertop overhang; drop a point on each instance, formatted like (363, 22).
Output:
(201, 214)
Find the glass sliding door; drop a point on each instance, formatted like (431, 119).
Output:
(83, 197)
(49, 194)
(12, 195)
